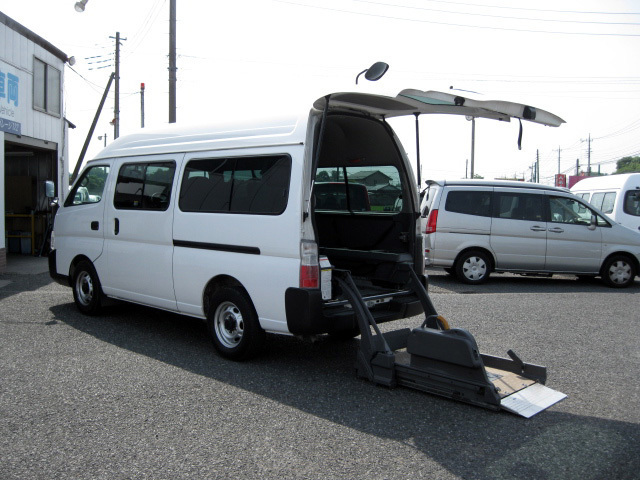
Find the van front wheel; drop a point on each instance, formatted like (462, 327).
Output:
(473, 267)
(87, 291)
(233, 324)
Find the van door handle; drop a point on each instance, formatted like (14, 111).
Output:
(95, 225)
(537, 228)
(556, 230)
(116, 226)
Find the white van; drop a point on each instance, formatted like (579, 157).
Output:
(616, 195)
(475, 227)
(242, 224)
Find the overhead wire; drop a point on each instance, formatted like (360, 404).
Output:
(453, 24)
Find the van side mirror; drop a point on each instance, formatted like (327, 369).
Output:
(594, 222)
(374, 72)
(49, 189)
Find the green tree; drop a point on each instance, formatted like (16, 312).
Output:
(628, 165)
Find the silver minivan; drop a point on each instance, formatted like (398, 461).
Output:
(476, 227)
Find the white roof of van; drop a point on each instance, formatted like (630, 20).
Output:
(630, 180)
(282, 130)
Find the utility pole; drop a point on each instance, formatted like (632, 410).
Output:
(473, 145)
(142, 105)
(172, 61)
(537, 166)
(116, 109)
(559, 160)
(577, 166)
(589, 157)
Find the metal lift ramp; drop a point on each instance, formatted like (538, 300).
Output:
(441, 360)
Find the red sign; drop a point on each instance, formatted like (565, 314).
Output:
(561, 180)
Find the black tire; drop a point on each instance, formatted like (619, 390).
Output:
(87, 291)
(233, 324)
(473, 267)
(618, 271)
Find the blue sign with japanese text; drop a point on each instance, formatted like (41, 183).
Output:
(9, 100)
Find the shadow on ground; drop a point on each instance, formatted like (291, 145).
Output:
(319, 379)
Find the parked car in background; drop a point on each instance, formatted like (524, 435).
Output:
(474, 228)
(616, 195)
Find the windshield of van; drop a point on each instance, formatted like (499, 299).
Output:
(358, 189)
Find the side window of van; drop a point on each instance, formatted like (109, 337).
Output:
(144, 186)
(570, 210)
(250, 185)
(469, 202)
(603, 201)
(519, 206)
(632, 202)
(90, 187)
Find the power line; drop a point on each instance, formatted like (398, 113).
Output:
(494, 16)
(451, 24)
(533, 9)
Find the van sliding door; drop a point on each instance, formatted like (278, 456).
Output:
(137, 262)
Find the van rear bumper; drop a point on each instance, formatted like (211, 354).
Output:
(53, 272)
(307, 315)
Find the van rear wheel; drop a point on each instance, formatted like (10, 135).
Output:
(87, 292)
(473, 267)
(618, 271)
(233, 324)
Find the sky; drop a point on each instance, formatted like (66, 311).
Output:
(575, 58)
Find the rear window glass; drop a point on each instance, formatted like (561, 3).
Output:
(632, 202)
(469, 202)
(250, 185)
(358, 189)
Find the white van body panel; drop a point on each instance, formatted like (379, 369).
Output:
(73, 236)
(193, 267)
(141, 242)
(620, 186)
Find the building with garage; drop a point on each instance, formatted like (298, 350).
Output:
(33, 137)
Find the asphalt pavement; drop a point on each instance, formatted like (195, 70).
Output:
(138, 393)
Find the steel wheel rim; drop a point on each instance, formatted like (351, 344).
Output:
(228, 324)
(474, 268)
(84, 288)
(620, 272)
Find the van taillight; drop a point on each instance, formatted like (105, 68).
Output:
(432, 220)
(309, 267)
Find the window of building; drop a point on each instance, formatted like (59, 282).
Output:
(144, 186)
(89, 188)
(252, 185)
(46, 88)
